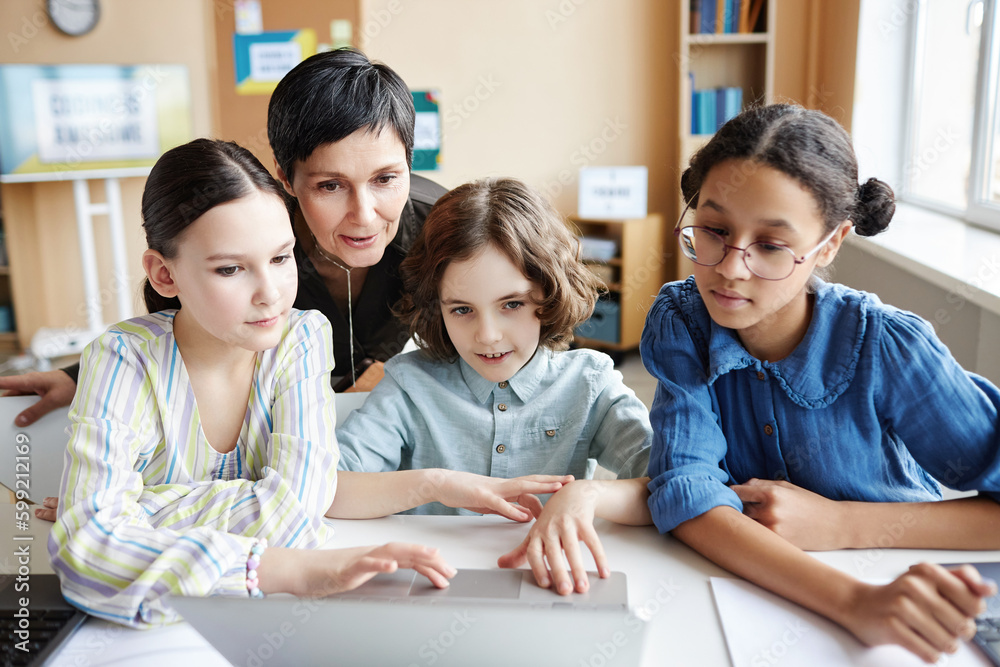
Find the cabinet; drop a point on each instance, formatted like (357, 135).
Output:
(634, 271)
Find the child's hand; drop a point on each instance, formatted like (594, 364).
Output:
(926, 611)
(318, 573)
(47, 512)
(806, 519)
(494, 495)
(568, 519)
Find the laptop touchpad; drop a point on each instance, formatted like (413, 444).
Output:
(495, 584)
(386, 585)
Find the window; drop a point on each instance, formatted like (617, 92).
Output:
(952, 155)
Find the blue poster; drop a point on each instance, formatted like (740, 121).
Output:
(262, 59)
(427, 132)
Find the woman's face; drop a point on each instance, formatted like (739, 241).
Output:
(745, 202)
(352, 192)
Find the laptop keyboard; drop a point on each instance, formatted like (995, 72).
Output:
(48, 630)
(988, 637)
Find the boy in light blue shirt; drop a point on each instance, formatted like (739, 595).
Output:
(561, 410)
(494, 287)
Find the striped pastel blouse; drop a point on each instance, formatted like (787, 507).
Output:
(147, 507)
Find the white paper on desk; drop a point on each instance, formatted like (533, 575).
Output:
(765, 630)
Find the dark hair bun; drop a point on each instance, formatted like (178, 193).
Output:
(874, 207)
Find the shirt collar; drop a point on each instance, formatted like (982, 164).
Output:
(524, 383)
(822, 366)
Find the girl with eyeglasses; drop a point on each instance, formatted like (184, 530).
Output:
(794, 414)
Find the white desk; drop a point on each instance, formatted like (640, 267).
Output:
(665, 577)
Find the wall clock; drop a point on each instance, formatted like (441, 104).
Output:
(74, 17)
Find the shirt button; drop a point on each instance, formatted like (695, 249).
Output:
(502, 407)
(551, 432)
(768, 430)
(760, 375)
(780, 476)
(501, 449)
(503, 385)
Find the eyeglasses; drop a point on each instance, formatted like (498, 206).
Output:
(768, 261)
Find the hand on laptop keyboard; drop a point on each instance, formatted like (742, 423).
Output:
(323, 572)
(568, 519)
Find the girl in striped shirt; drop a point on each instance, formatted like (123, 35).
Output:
(202, 433)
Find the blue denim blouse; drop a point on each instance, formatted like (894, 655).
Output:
(560, 410)
(870, 406)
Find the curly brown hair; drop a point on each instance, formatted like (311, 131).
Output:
(520, 223)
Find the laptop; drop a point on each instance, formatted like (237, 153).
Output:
(485, 617)
(34, 632)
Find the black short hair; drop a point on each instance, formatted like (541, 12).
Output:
(331, 95)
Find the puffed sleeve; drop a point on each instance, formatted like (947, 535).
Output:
(945, 416)
(688, 444)
(623, 436)
(378, 435)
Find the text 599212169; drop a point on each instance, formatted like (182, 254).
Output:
(22, 543)
(22, 478)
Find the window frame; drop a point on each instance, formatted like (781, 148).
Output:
(979, 211)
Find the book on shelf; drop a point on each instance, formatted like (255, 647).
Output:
(707, 14)
(713, 107)
(754, 14)
(706, 111)
(727, 19)
(694, 105)
(744, 16)
(734, 15)
(724, 16)
(728, 103)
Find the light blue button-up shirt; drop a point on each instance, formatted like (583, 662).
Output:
(558, 411)
(870, 406)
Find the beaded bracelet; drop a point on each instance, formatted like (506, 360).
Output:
(252, 562)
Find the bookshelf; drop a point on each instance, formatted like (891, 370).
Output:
(736, 60)
(714, 60)
(633, 272)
